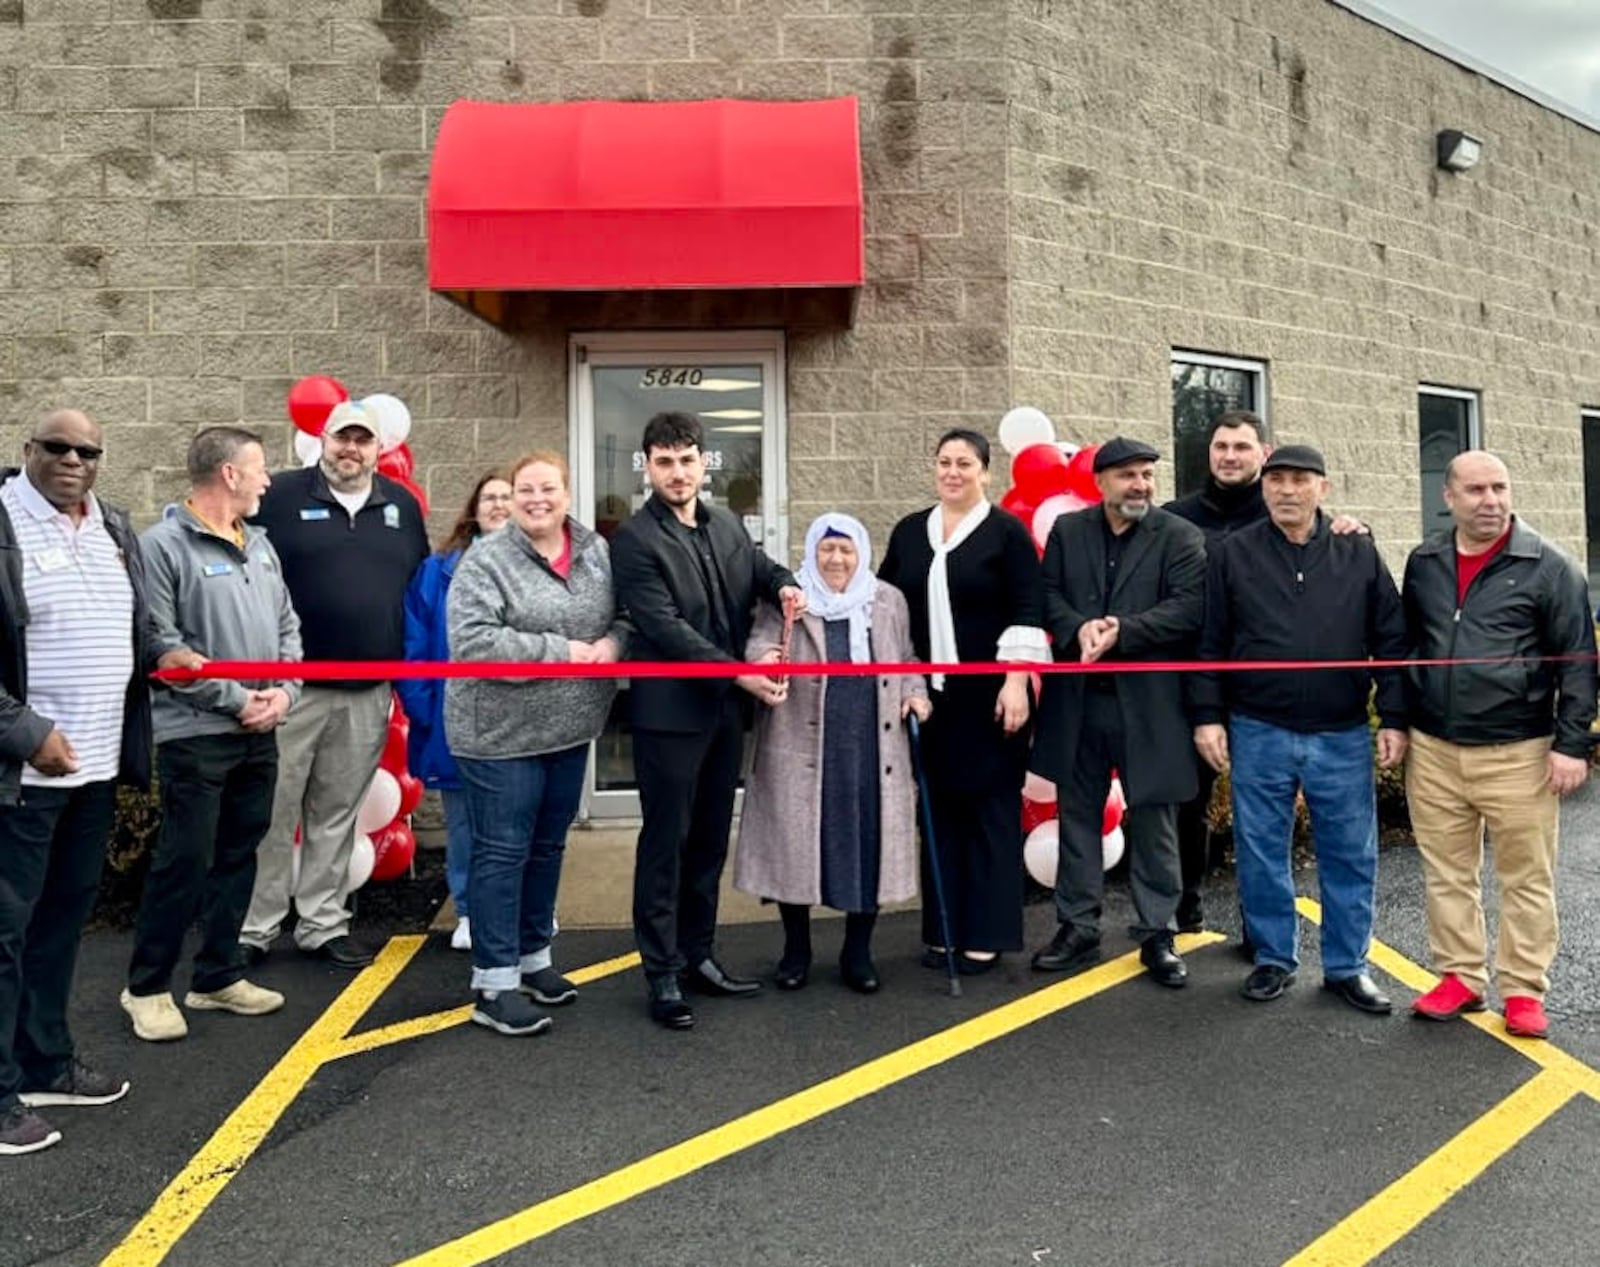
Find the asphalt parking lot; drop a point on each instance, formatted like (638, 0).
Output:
(1033, 1120)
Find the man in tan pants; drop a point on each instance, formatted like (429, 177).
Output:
(1494, 744)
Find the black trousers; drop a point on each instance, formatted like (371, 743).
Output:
(686, 788)
(52, 847)
(1194, 842)
(978, 838)
(216, 805)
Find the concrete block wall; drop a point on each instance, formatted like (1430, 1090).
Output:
(1257, 179)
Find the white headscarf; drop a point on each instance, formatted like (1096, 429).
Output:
(854, 602)
(941, 620)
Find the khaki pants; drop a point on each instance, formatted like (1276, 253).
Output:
(1454, 792)
(328, 748)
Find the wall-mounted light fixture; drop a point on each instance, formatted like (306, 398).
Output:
(1458, 151)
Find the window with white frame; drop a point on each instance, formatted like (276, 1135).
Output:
(1204, 386)
(1447, 424)
(1589, 422)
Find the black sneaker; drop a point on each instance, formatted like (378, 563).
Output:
(24, 1131)
(1266, 983)
(508, 1012)
(549, 987)
(78, 1085)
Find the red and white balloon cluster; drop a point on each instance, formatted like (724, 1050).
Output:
(316, 396)
(1049, 477)
(384, 846)
(1041, 827)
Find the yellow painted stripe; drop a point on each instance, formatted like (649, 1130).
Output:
(1541, 1052)
(221, 1157)
(1401, 1207)
(421, 1026)
(782, 1115)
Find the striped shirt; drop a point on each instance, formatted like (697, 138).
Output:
(80, 629)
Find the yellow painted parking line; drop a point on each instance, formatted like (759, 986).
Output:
(421, 1026)
(1541, 1052)
(782, 1115)
(1400, 1208)
(237, 1139)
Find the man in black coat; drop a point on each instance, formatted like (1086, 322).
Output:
(1122, 581)
(689, 577)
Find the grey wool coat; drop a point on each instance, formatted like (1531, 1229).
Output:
(779, 854)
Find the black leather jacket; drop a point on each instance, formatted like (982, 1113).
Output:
(21, 729)
(1530, 600)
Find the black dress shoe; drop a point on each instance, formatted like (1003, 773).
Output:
(343, 952)
(967, 966)
(862, 978)
(707, 977)
(1360, 992)
(1162, 962)
(667, 1006)
(1266, 983)
(791, 976)
(1068, 951)
(251, 956)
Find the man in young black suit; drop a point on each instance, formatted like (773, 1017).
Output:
(1121, 581)
(690, 577)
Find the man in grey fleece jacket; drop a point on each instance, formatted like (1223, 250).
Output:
(216, 586)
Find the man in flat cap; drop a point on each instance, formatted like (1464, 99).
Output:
(1123, 582)
(1288, 588)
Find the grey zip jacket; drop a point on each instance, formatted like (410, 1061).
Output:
(506, 603)
(225, 602)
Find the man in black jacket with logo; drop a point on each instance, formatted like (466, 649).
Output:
(1494, 744)
(689, 577)
(1290, 589)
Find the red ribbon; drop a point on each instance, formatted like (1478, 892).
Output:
(394, 670)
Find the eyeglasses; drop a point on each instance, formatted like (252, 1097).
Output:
(496, 497)
(60, 449)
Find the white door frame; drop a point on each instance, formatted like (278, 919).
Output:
(587, 350)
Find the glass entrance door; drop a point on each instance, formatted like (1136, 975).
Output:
(733, 384)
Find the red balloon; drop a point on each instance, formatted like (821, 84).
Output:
(393, 849)
(397, 711)
(1080, 475)
(411, 789)
(1018, 503)
(1039, 471)
(397, 463)
(422, 498)
(394, 753)
(1036, 812)
(312, 399)
(1111, 819)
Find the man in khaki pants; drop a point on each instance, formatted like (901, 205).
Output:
(1494, 744)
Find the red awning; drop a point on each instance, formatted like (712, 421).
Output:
(613, 195)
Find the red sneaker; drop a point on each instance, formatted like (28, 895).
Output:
(1525, 1017)
(1447, 1000)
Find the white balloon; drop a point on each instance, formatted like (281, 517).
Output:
(1023, 426)
(394, 419)
(362, 859)
(1038, 788)
(1116, 796)
(1111, 847)
(1041, 852)
(1050, 509)
(307, 448)
(1067, 448)
(380, 803)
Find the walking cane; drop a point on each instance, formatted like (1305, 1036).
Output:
(933, 854)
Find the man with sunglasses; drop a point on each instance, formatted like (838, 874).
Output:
(76, 646)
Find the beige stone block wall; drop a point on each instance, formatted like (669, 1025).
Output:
(1257, 179)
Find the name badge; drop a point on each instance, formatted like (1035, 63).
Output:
(314, 512)
(391, 516)
(52, 560)
(218, 569)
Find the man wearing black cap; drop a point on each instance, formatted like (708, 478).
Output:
(1290, 589)
(1123, 581)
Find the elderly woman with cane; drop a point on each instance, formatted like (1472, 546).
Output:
(830, 806)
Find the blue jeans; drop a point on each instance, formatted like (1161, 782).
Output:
(457, 847)
(1334, 770)
(519, 809)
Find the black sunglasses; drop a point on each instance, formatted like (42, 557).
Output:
(60, 449)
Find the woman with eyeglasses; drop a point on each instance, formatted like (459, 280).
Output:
(488, 509)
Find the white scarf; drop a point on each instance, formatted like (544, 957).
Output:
(854, 603)
(941, 621)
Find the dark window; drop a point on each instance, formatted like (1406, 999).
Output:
(1447, 424)
(1203, 387)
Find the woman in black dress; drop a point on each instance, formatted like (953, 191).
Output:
(970, 575)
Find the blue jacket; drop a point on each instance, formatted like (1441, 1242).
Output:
(427, 752)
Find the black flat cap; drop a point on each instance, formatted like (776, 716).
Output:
(1295, 457)
(1120, 450)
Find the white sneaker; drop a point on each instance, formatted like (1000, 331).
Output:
(242, 998)
(155, 1017)
(461, 939)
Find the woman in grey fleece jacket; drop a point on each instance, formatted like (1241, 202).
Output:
(539, 590)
